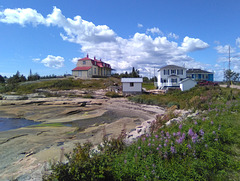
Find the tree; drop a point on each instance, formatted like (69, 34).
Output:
(16, 78)
(2, 80)
(231, 76)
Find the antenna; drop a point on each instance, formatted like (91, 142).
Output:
(229, 61)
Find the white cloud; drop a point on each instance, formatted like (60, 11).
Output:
(193, 44)
(140, 25)
(173, 35)
(224, 49)
(75, 60)
(36, 59)
(53, 61)
(141, 51)
(154, 31)
(238, 42)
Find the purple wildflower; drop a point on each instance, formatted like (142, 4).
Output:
(201, 132)
(156, 136)
(143, 139)
(219, 127)
(195, 123)
(125, 161)
(216, 139)
(178, 133)
(149, 144)
(173, 150)
(189, 146)
(157, 148)
(203, 119)
(214, 132)
(211, 122)
(165, 155)
(139, 147)
(194, 138)
(190, 132)
(174, 134)
(165, 145)
(206, 145)
(167, 134)
(180, 126)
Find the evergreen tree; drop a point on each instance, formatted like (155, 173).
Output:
(2, 80)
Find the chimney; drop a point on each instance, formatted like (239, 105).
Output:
(87, 55)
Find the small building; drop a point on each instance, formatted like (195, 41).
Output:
(88, 68)
(170, 76)
(199, 75)
(132, 85)
(187, 84)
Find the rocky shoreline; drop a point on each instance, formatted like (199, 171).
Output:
(25, 153)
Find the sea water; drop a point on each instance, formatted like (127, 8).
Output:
(12, 123)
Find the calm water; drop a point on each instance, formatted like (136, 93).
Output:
(9, 123)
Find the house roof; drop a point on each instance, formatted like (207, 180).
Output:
(82, 68)
(96, 62)
(171, 67)
(198, 71)
(187, 79)
(140, 80)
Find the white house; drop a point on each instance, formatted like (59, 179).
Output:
(187, 84)
(132, 85)
(170, 76)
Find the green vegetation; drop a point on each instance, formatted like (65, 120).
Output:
(206, 147)
(58, 84)
(112, 94)
(46, 125)
(148, 85)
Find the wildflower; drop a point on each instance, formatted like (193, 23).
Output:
(216, 139)
(203, 119)
(157, 148)
(165, 155)
(194, 138)
(201, 132)
(125, 161)
(143, 139)
(149, 144)
(190, 132)
(165, 145)
(173, 150)
(139, 147)
(189, 146)
(156, 136)
(166, 141)
(214, 132)
(167, 134)
(153, 165)
(174, 134)
(206, 145)
(219, 127)
(211, 122)
(180, 126)
(195, 123)
(153, 140)
(160, 146)
(178, 133)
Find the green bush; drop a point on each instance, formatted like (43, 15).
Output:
(112, 94)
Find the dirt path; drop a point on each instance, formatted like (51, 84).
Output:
(26, 152)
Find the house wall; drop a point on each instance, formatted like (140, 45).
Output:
(88, 63)
(162, 77)
(126, 87)
(188, 84)
(82, 73)
(201, 76)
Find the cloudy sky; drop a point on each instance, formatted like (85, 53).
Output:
(49, 36)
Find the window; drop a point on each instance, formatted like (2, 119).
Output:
(84, 62)
(79, 73)
(180, 71)
(131, 84)
(95, 71)
(164, 80)
(174, 80)
(173, 71)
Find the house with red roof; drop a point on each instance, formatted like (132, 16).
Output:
(88, 68)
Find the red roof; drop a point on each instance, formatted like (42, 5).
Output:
(85, 58)
(82, 68)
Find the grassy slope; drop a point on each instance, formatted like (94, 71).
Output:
(203, 148)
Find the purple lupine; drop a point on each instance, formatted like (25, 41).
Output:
(180, 126)
(203, 119)
(143, 139)
(178, 133)
(189, 146)
(125, 161)
(156, 136)
(160, 146)
(149, 144)
(173, 150)
(201, 132)
(167, 134)
(165, 155)
(211, 122)
(165, 145)
(194, 138)
(195, 122)
(174, 134)
(157, 148)
(139, 147)
(190, 132)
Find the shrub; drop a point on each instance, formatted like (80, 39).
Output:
(112, 94)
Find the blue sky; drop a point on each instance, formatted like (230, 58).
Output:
(49, 36)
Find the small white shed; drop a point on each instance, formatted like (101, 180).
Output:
(132, 85)
(187, 84)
